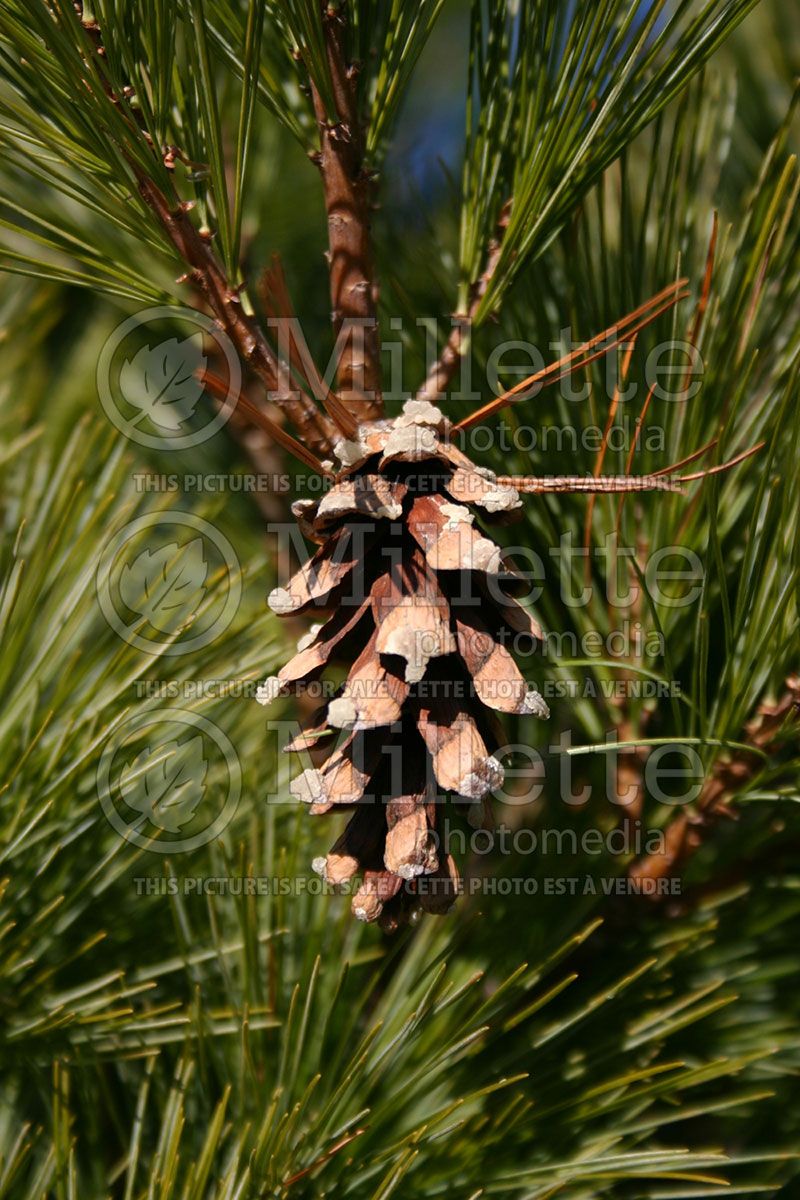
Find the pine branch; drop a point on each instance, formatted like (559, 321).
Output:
(729, 778)
(623, 330)
(254, 350)
(442, 371)
(241, 1039)
(348, 189)
(210, 278)
(589, 484)
(278, 305)
(259, 420)
(659, 481)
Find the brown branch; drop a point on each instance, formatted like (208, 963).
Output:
(590, 484)
(601, 454)
(207, 274)
(278, 306)
(326, 1157)
(441, 373)
(685, 833)
(348, 187)
(260, 420)
(664, 480)
(586, 353)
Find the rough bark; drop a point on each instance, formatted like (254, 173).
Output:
(207, 275)
(348, 202)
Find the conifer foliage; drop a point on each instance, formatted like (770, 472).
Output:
(595, 178)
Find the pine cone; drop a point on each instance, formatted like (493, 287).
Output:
(419, 602)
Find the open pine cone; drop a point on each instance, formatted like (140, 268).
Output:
(418, 603)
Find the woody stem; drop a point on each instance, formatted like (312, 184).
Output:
(442, 372)
(208, 276)
(253, 349)
(590, 483)
(347, 188)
